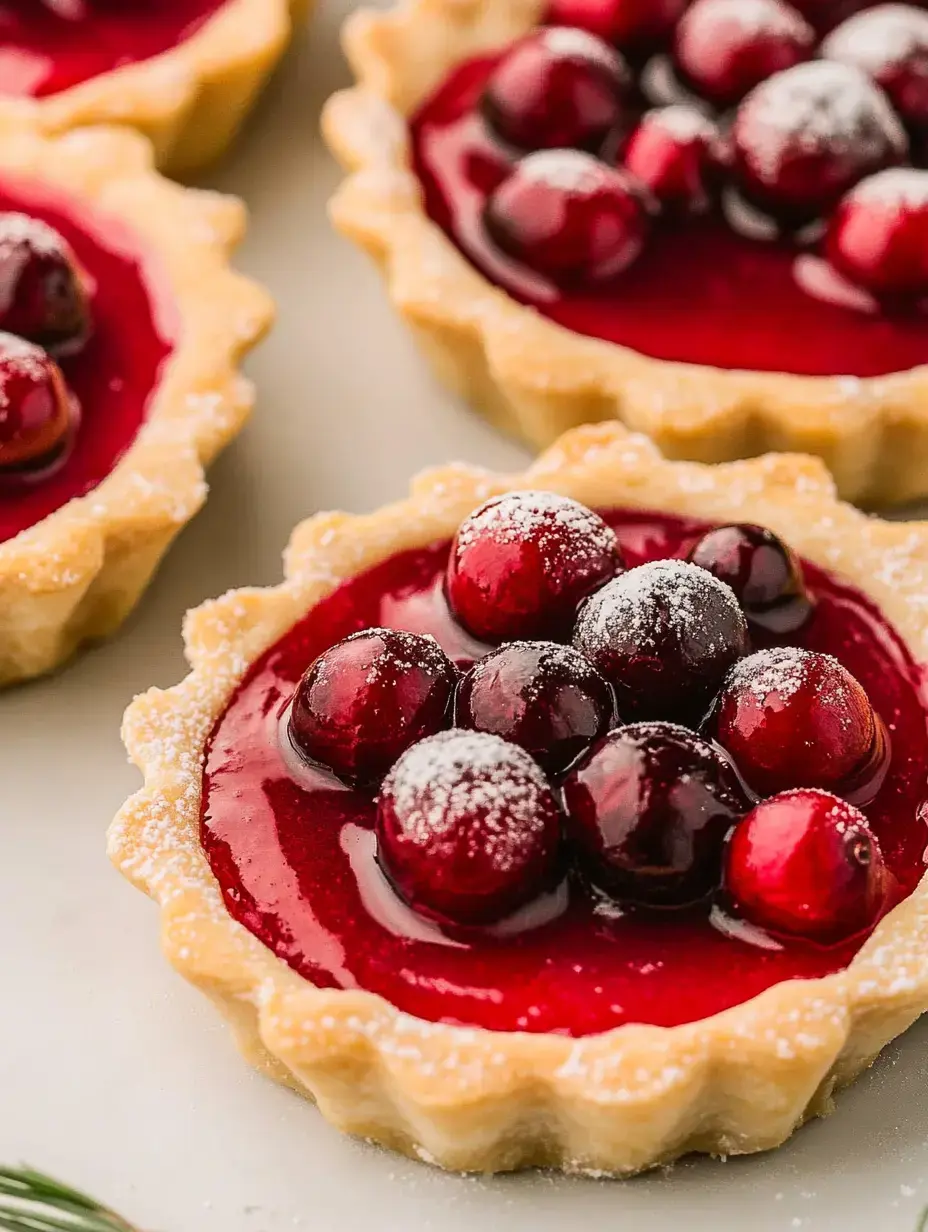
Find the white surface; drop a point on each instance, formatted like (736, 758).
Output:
(115, 1074)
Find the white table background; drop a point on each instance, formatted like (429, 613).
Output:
(116, 1075)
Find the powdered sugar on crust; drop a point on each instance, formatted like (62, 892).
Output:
(899, 188)
(753, 17)
(441, 782)
(569, 170)
(545, 517)
(815, 108)
(880, 38)
(16, 229)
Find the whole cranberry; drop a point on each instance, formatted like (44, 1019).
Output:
(369, 697)
(762, 570)
(468, 830)
(42, 297)
(522, 564)
(664, 635)
(890, 44)
(724, 48)
(558, 88)
(569, 217)
(36, 409)
(796, 718)
(540, 695)
(648, 811)
(878, 236)
(806, 136)
(676, 153)
(807, 864)
(633, 25)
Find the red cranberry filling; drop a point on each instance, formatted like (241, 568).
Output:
(663, 635)
(522, 563)
(36, 410)
(890, 44)
(42, 297)
(544, 697)
(46, 48)
(364, 702)
(762, 570)
(806, 863)
(649, 809)
(295, 854)
(467, 828)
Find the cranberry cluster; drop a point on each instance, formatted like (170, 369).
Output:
(624, 115)
(44, 316)
(622, 726)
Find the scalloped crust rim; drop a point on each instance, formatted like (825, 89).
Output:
(471, 1099)
(76, 575)
(191, 101)
(534, 378)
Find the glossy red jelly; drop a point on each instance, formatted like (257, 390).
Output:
(295, 858)
(700, 293)
(116, 373)
(46, 48)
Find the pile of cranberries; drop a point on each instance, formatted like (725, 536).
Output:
(621, 734)
(44, 316)
(806, 121)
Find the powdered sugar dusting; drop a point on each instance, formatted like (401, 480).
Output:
(16, 229)
(754, 17)
(900, 188)
(441, 782)
(781, 671)
(547, 518)
(569, 41)
(569, 170)
(684, 122)
(399, 652)
(880, 38)
(24, 358)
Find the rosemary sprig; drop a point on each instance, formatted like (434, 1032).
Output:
(33, 1202)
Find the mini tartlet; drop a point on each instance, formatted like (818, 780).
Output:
(461, 1072)
(186, 78)
(422, 157)
(135, 271)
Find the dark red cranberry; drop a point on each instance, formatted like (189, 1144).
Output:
(558, 88)
(664, 635)
(724, 48)
(542, 696)
(826, 14)
(36, 409)
(633, 25)
(806, 136)
(890, 44)
(762, 570)
(676, 152)
(522, 563)
(367, 699)
(570, 217)
(467, 828)
(878, 236)
(795, 718)
(808, 864)
(42, 297)
(648, 811)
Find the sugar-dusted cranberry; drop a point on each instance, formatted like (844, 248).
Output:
(468, 829)
(795, 718)
(805, 863)
(633, 25)
(522, 563)
(545, 697)
(806, 136)
(570, 217)
(878, 236)
(762, 570)
(724, 48)
(648, 810)
(664, 635)
(890, 44)
(42, 296)
(36, 409)
(369, 697)
(676, 152)
(558, 88)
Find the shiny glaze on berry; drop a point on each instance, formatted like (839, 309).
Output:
(42, 296)
(890, 44)
(675, 152)
(36, 409)
(878, 237)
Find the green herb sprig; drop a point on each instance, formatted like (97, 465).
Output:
(30, 1201)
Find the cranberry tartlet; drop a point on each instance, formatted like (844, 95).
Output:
(121, 331)
(708, 220)
(572, 819)
(183, 72)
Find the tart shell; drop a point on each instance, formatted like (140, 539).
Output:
(476, 1100)
(76, 575)
(190, 101)
(536, 379)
